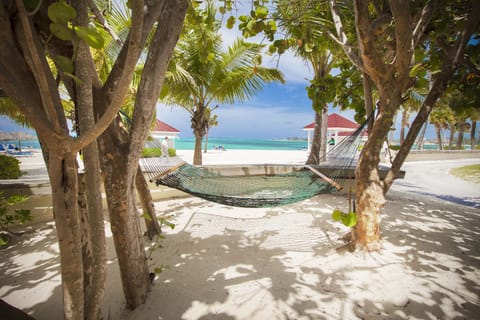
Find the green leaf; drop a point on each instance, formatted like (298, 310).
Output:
(64, 63)
(273, 25)
(230, 22)
(261, 12)
(61, 12)
(61, 31)
(350, 219)
(413, 72)
(2, 241)
(91, 36)
(211, 56)
(337, 215)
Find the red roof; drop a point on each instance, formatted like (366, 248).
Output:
(336, 121)
(164, 127)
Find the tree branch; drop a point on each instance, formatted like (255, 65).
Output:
(422, 23)
(170, 23)
(404, 42)
(38, 71)
(118, 86)
(449, 65)
(342, 37)
(373, 61)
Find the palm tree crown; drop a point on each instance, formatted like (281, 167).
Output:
(201, 74)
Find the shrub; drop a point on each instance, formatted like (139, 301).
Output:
(7, 217)
(9, 167)
(151, 152)
(156, 152)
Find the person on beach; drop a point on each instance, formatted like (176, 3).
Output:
(165, 147)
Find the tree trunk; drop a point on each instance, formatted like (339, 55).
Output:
(205, 148)
(461, 131)
(405, 115)
(124, 223)
(451, 138)
(93, 242)
(472, 134)
(197, 152)
(438, 132)
(370, 198)
(367, 93)
(314, 156)
(151, 221)
(63, 181)
(323, 135)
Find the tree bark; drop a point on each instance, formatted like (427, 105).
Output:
(314, 156)
(63, 180)
(451, 137)
(473, 130)
(121, 154)
(151, 221)
(197, 151)
(323, 135)
(94, 243)
(461, 131)
(438, 132)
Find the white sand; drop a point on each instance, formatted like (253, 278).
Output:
(281, 263)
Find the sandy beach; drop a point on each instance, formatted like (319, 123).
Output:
(283, 263)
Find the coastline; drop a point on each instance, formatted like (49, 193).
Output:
(284, 262)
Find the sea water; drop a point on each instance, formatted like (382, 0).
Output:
(189, 143)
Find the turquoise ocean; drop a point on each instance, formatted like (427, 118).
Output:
(227, 143)
(189, 143)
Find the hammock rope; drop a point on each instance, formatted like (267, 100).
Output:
(262, 189)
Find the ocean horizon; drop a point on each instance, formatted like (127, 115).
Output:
(189, 144)
(225, 143)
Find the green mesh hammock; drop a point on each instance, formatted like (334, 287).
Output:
(253, 191)
(265, 189)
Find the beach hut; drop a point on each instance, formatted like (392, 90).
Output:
(338, 128)
(162, 130)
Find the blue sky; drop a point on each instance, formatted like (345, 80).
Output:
(279, 111)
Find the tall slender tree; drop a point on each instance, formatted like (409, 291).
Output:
(201, 74)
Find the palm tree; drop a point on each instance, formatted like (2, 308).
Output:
(301, 20)
(441, 117)
(201, 74)
(212, 122)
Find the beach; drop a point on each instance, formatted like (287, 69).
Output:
(285, 262)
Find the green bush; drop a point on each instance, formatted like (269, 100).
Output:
(151, 152)
(9, 167)
(156, 152)
(394, 147)
(7, 217)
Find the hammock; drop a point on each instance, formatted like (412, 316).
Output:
(261, 189)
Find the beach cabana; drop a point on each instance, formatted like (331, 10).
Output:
(162, 130)
(338, 128)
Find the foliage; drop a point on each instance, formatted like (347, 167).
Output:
(201, 74)
(9, 167)
(8, 218)
(157, 152)
(158, 242)
(348, 219)
(151, 152)
(469, 173)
